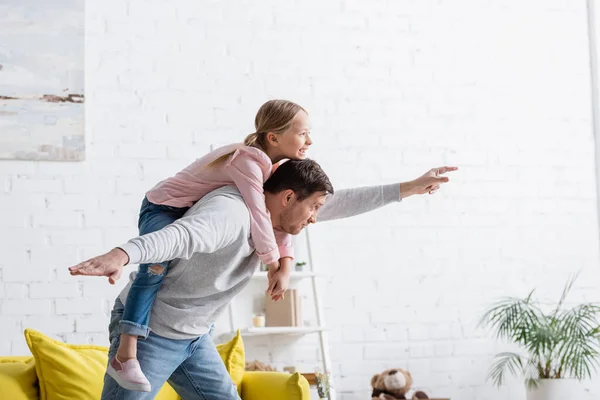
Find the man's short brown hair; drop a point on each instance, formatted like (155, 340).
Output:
(304, 177)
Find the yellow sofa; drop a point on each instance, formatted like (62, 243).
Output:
(59, 371)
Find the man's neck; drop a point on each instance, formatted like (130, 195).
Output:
(273, 204)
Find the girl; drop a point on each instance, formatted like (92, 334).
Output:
(282, 132)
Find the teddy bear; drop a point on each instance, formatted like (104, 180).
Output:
(393, 384)
(258, 366)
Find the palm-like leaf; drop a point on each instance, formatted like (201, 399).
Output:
(565, 293)
(563, 343)
(512, 318)
(503, 362)
(579, 347)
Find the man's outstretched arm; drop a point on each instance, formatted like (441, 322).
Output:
(214, 225)
(350, 202)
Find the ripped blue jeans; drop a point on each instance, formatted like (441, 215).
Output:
(193, 367)
(136, 316)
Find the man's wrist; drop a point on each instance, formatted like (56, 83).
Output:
(134, 253)
(122, 256)
(407, 189)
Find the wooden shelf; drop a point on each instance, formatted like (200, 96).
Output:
(280, 330)
(311, 377)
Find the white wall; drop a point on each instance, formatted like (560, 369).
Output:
(499, 88)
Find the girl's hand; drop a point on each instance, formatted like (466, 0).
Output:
(279, 278)
(271, 269)
(278, 284)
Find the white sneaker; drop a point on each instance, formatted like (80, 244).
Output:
(128, 375)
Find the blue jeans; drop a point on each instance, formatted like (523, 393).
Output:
(193, 367)
(153, 217)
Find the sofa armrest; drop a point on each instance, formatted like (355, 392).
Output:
(274, 386)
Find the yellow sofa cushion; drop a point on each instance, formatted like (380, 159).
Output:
(259, 385)
(68, 371)
(18, 380)
(234, 357)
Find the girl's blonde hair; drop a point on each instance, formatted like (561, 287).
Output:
(274, 116)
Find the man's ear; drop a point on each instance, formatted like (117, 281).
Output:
(287, 197)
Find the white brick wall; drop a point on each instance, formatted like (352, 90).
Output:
(393, 88)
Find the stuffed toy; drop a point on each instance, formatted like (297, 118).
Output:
(257, 366)
(393, 384)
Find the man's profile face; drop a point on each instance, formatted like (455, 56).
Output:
(298, 214)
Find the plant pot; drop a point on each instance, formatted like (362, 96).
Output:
(556, 389)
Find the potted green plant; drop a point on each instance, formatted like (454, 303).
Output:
(323, 384)
(559, 346)
(300, 266)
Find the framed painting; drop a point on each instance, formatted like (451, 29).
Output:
(42, 80)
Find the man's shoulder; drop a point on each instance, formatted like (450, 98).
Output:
(227, 199)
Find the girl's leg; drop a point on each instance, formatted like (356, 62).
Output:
(158, 356)
(127, 347)
(145, 286)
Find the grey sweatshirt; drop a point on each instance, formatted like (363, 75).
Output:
(213, 257)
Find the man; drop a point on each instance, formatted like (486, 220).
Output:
(213, 261)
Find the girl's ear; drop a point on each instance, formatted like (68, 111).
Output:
(272, 139)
